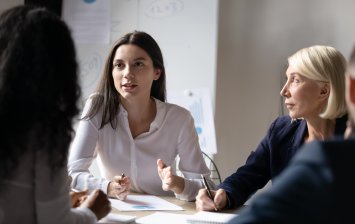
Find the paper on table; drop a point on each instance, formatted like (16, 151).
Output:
(162, 218)
(116, 218)
(210, 217)
(143, 202)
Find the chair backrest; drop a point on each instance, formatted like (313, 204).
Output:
(215, 175)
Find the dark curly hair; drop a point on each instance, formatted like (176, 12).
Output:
(107, 97)
(38, 86)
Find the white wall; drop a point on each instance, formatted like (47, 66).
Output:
(255, 39)
(186, 31)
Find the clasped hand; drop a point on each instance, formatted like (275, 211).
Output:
(97, 202)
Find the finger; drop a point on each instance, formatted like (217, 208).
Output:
(219, 199)
(127, 181)
(160, 164)
(205, 205)
(123, 195)
(117, 179)
(82, 193)
(76, 195)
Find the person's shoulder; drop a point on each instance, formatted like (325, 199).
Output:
(317, 150)
(92, 97)
(89, 103)
(340, 148)
(174, 109)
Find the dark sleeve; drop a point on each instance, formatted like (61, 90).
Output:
(299, 195)
(250, 177)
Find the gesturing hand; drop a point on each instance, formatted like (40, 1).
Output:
(170, 182)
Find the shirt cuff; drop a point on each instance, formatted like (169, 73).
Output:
(190, 191)
(104, 186)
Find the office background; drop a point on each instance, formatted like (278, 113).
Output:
(254, 39)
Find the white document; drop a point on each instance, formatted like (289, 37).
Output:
(210, 217)
(162, 218)
(116, 218)
(198, 102)
(198, 218)
(144, 202)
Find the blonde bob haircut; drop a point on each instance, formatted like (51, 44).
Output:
(324, 64)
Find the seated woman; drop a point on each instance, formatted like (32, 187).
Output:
(132, 130)
(314, 96)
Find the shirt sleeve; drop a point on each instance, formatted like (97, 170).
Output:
(250, 177)
(52, 196)
(82, 153)
(191, 162)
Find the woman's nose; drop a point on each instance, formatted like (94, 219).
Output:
(128, 72)
(284, 91)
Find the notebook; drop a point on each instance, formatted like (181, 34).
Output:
(163, 218)
(210, 218)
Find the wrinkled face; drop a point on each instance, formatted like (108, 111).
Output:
(303, 96)
(133, 72)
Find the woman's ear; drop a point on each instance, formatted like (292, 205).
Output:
(325, 90)
(157, 73)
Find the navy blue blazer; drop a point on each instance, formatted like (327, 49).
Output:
(282, 141)
(317, 187)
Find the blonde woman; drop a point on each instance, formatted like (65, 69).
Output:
(314, 97)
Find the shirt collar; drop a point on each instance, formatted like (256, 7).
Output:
(159, 117)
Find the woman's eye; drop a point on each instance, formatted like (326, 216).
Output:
(295, 80)
(138, 64)
(118, 65)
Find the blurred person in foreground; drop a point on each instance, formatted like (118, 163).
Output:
(38, 101)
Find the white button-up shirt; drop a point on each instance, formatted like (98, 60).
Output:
(171, 134)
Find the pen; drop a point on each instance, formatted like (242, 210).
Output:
(207, 187)
(122, 176)
(75, 190)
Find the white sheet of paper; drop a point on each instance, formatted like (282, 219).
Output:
(144, 202)
(162, 218)
(117, 218)
(210, 217)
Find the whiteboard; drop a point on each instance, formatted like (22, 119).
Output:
(186, 31)
(198, 102)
